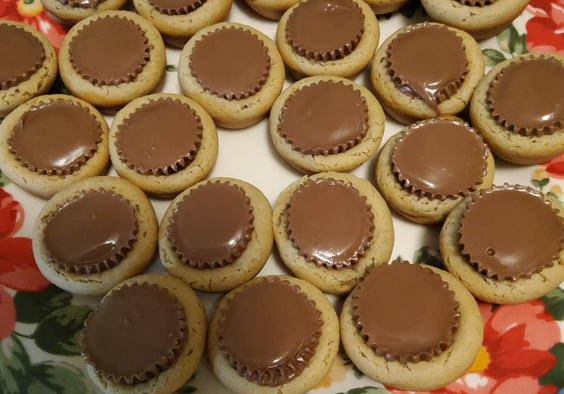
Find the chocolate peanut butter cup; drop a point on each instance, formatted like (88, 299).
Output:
(111, 50)
(90, 233)
(231, 62)
(82, 3)
(324, 118)
(428, 61)
(510, 232)
(329, 223)
(526, 96)
(162, 137)
(405, 312)
(439, 159)
(22, 55)
(55, 137)
(269, 331)
(324, 30)
(176, 7)
(135, 334)
(212, 225)
(476, 3)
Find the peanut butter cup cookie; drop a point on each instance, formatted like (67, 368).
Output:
(412, 327)
(73, 11)
(165, 162)
(330, 228)
(52, 141)
(322, 37)
(217, 234)
(232, 70)
(506, 244)
(381, 7)
(179, 20)
(519, 108)
(424, 171)
(111, 58)
(28, 67)
(146, 336)
(271, 9)
(426, 70)
(326, 123)
(274, 334)
(481, 18)
(94, 234)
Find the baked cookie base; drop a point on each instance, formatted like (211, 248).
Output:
(319, 365)
(135, 261)
(172, 379)
(441, 370)
(72, 15)
(336, 281)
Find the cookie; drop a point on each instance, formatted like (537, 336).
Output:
(72, 11)
(330, 228)
(412, 327)
(307, 48)
(271, 9)
(183, 152)
(51, 142)
(426, 70)
(424, 171)
(111, 58)
(252, 353)
(326, 123)
(381, 7)
(480, 18)
(488, 242)
(94, 234)
(217, 234)
(232, 70)
(154, 309)
(519, 109)
(179, 20)
(29, 65)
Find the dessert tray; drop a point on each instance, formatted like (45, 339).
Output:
(523, 348)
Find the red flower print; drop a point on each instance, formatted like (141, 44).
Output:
(545, 30)
(555, 167)
(514, 353)
(31, 12)
(18, 270)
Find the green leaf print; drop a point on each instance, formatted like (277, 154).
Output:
(540, 184)
(493, 57)
(34, 307)
(58, 378)
(59, 332)
(171, 68)
(556, 375)
(400, 259)
(14, 366)
(348, 362)
(554, 303)
(3, 180)
(428, 256)
(511, 42)
(368, 390)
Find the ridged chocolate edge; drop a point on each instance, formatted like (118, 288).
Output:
(177, 10)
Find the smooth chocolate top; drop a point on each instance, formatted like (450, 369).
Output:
(212, 225)
(329, 223)
(428, 61)
(135, 334)
(324, 118)
(109, 51)
(325, 29)
(176, 7)
(55, 137)
(269, 331)
(476, 3)
(22, 55)
(526, 97)
(510, 233)
(82, 3)
(91, 233)
(161, 137)
(232, 63)
(405, 312)
(440, 159)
